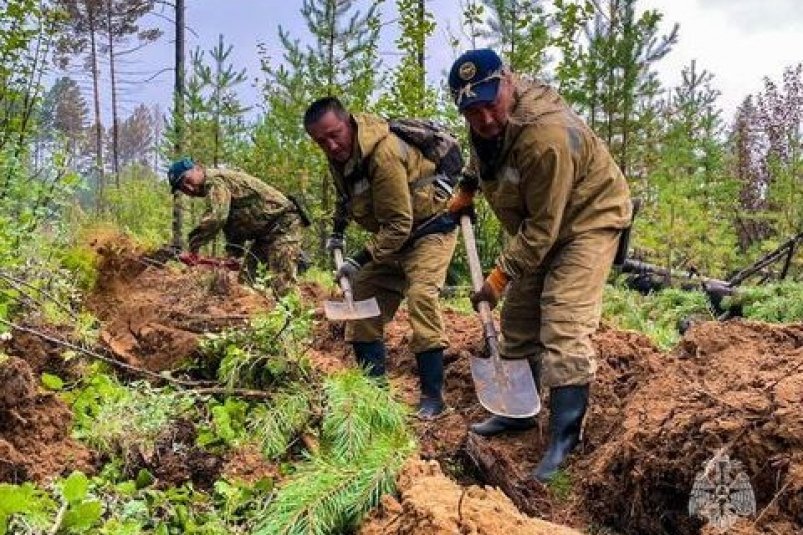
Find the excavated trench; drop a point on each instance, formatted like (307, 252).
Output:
(655, 418)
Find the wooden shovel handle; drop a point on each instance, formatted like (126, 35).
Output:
(345, 285)
(476, 282)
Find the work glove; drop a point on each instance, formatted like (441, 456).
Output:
(335, 241)
(189, 258)
(462, 203)
(491, 290)
(348, 269)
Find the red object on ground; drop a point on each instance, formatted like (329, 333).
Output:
(193, 260)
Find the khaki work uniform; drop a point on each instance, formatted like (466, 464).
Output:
(247, 209)
(560, 196)
(377, 189)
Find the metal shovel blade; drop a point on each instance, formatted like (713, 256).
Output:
(351, 310)
(505, 387)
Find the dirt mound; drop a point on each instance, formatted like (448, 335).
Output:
(735, 388)
(433, 504)
(152, 314)
(176, 459)
(35, 429)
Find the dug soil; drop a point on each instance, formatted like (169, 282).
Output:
(153, 313)
(730, 389)
(733, 388)
(35, 442)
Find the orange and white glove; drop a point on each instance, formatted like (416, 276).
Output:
(491, 290)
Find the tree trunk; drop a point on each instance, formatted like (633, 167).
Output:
(96, 95)
(115, 123)
(178, 102)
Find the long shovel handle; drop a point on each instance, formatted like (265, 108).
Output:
(489, 330)
(345, 285)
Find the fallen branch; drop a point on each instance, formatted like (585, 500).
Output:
(199, 387)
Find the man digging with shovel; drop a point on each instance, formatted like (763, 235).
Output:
(387, 186)
(560, 196)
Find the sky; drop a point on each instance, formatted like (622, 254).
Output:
(739, 41)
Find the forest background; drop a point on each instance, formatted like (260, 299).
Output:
(719, 189)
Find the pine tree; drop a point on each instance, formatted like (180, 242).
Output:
(137, 137)
(83, 24)
(64, 115)
(689, 199)
(121, 23)
(519, 31)
(407, 93)
(341, 61)
(610, 75)
(212, 95)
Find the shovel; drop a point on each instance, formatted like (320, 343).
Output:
(349, 309)
(504, 386)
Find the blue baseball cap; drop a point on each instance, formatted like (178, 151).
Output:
(475, 77)
(175, 173)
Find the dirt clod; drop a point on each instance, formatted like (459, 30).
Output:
(432, 504)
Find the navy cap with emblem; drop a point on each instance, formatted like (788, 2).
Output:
(475, 77)
(175, 173)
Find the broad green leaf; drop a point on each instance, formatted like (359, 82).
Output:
(75, 487)
(52, 382)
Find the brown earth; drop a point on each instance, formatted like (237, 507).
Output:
(432, 504)
(734, 388)
(153, 314)
(35, 442)
(654, 419)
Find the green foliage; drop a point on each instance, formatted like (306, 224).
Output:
(270, 348)
(114, 418)
(407, 92)
(82, 262)
(774, 303)
(364, 443)
(657, 315)
(83, 511)
(519, 32)
(142, 206)
(24, 508)
(356, 412)
(228, 423)
(276, 425)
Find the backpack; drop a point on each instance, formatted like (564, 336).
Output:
(438, 145)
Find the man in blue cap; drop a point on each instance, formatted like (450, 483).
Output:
(562, 199)
(245, 209)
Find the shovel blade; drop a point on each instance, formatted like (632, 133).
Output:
(355, 310)
(505, 387)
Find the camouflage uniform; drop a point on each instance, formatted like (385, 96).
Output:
(377, 188)
(246, 208)
(560, 196)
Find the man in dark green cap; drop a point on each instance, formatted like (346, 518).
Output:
(245, 209)
(558, 193)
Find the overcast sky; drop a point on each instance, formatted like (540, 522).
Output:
(739, 41)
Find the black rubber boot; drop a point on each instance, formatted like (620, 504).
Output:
(496, 425)
(567, 405)
(371, 357)
(430, 372)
